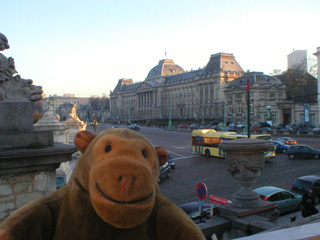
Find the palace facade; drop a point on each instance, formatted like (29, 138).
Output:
(216, 92)
(168, 90)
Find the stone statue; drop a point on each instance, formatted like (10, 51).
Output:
(50, 114)
(73, 114)
(12, 86)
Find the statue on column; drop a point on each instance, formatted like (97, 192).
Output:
(12, 86)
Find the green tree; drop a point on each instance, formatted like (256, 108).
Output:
(98, 102)
(301, 86)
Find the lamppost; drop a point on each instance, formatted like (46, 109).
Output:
(88, 117)
(170, 111)
(224, 117)
(128, 115)
(101, 114)
(202, 115)
(248, 108)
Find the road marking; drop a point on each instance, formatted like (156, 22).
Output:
(181, 147)
(184, 157)
(175, 153)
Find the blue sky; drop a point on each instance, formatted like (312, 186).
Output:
(85, 47)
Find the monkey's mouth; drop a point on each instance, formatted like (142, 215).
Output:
(123, 202)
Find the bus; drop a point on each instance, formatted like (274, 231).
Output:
(206, 142)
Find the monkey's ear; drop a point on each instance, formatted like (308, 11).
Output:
(83, 139)
(163, 155)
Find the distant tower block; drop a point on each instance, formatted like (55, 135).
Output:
(317, 54)
(298, 58)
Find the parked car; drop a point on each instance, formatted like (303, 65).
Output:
(303, 151)
(192, 209)
(309, 183)
(165, 172)
(287, 201)
(305, 129)
(255, 128)
(203, 126)
(266, 129)
(316, 130)
(286, 129)
(171, 162)
(194, 126)
(183, 125)
(281, 147)
(135, 127)
(114, 126)
(287, 140)
(241, 125)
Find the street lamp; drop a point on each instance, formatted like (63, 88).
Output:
(101, 114)
(202, 115)
(170, 111)
(128, 112)
(88, 118)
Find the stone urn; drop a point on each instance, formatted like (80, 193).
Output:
(245, 160)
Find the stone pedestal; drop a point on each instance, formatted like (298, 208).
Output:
(16, 127)
(50, 121)
(245, 160)
(28, 174)
(75, 126)
(16, 116)
(28, 158)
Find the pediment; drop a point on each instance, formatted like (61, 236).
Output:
(145, 86)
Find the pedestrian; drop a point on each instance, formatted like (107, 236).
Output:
(307, 195)
(95, 125)
(309, 209)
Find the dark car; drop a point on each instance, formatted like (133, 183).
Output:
(287, 140)
(302, 151)
(192, 209)
(165, 172)
(309, 183)
(135, 127)
(286, 201)
(281, 147)
(183, 125)
(266, 129)
(171, 162)
(194, 126)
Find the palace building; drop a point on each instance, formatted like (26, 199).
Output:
(216, 92)
(169, 90)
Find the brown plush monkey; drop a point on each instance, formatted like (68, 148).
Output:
(113, 194)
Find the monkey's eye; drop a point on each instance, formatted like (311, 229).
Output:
(144, 154)
(107, 148)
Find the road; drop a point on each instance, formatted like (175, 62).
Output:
(192, 169)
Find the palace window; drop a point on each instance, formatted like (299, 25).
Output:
(239, 107)
(230, 108)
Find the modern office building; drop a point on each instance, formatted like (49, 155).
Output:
(298, 58)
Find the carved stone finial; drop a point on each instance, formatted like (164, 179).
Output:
(3, 42)
(12, 86)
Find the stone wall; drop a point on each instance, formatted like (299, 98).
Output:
(16, 191)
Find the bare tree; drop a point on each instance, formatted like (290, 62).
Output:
(276, 72)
